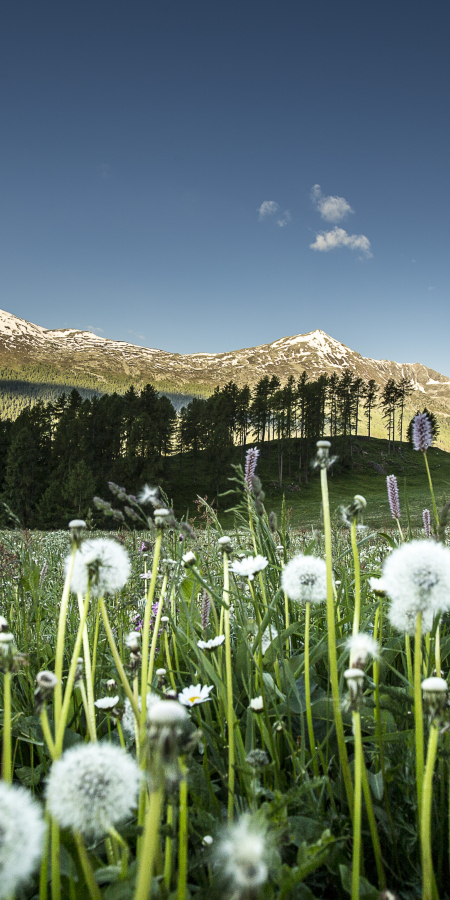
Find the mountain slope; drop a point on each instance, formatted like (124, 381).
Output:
(64, 358)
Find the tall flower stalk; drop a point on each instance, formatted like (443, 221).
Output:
(229, 682)
(435, 698)
(146, 626)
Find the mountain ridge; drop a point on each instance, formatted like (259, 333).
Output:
(69, 357)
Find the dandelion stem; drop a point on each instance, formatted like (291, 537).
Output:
(56, 877)
(43, 875)
(149, 845)
(91, 884)
(436, 517)
(418, 714)
(356, 853)
(437, 651)
(117, 659)
(428, 888)
(155, 633)
(332, 656)
(61, 634)
(47, 733)
(146, 630)
(88, 676)
(6, 747)
(229, 678)
(373, 828)
(357, 612)
(61, 724)
(168, 849)
(182, 836)
(312, 742)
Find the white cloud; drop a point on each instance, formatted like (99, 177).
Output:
(267, 208)
(333, 209)
(432, 288)
(94, 330)
(285, 219)
(338, 237)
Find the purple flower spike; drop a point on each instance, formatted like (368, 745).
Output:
(426, 516)
(394, 499)
(250, 465)
(422, 432)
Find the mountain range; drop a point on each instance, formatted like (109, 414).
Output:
(36, 362)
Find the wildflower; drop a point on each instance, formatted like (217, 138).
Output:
(149, 495)
(77, 528)
(422, 432)
(251, 460)
(21, 838)
(129, 719)
(160, 673)
(355, 680)
(242, 855)
(132, 641)
(207, 840)
(376, 585)
(323, 459)
(212, 643)
(107, 702)
(45, 685)
(170, 735)
(103, 564)
(393, 497)
(163, 517)
(416, 577)
(249, 566)
(205, 610)
(426, 516)
(435, 692)
(304, 579)
(189, 558)
(195, 694)
(257, 704)
(224, 543)
(361, 646)
(92, 788)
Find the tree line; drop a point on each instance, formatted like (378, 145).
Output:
(57, 456)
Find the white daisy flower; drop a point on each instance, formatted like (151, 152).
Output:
(416, 577)
(22, 832)
(194, 694)
(102, 560)
(212, 643)
(107, 702)
(92, 788)
(249, 566)
(242, 855)
(304, 579)
(361, 646)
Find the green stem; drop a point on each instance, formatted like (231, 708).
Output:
(47, 733)
(312, 742)
(425, 820)
(117, 659)
(56, 877)
(356, 854)
(6, 746)
(92, 886)
(332, 656)
(373, 828)
(43, 875)
(436, 517)
(146, 630)
(168, 850)
(437, 651)
(61, 635)
(88, 676)
(155, 633)
(418, 714)
(357, 612)
(409, 668)
(182, 837)
(149, 845)
(61, 724)
(229, 678)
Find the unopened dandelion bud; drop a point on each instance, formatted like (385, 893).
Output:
(224, 543)
(168, 731)
(79, 671)
(256, 704)
(322, 460)
(242, 856)
(132, 641)
(189, 559)
(207, 840)
(161, 673)
(435, 694)
(3, 624)
(393, 496)
(422, 432)
(111, 684)
(361, 646)
(165, 619)
(7, 652)
(162, 517)
(355, 683)
(273, 522)
(77, 527)
(45, 685)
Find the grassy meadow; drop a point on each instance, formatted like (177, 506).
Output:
(201, 726)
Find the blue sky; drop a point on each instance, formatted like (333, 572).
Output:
(140, 141)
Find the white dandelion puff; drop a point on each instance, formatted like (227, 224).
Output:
(92, 788)
(129, 719)
(22, 832)
(107, 702)
(416, 577)
(102, 561)
(304, 579)
(149, 495)
(361, 646)
(242, 855)
(249, 566)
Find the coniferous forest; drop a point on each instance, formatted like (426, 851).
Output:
(56, 457)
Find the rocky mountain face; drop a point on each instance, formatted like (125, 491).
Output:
(66, 357)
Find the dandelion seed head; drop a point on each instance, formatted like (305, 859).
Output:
(416, 577)
(361, 646)
(104, 562)
(92, 788)
(304, 579)
(149, 495)
(129, 719)
(242, 855)
(22, 832)
(167, 712)
(107, 702)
